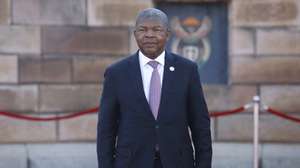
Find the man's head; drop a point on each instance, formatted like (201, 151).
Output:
(151, 32)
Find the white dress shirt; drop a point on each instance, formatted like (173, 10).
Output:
(146, 70)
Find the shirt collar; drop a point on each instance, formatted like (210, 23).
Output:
(144, 60)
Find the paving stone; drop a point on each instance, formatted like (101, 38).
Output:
(13, 156)
(79, 155)
(283, 155)
(223, 158)
(62, 155)
(236, 155)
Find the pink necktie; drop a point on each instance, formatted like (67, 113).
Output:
(155, 89)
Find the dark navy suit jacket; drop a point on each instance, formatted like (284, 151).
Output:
(127, 130)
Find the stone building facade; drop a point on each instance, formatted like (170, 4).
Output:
(53, 54)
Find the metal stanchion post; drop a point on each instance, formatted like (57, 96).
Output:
(256, 108)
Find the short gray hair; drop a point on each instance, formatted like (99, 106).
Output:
(152, 14)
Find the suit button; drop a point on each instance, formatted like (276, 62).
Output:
(156, 126)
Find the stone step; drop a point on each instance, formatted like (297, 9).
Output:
(82, 155)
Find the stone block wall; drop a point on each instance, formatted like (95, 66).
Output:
(53, 54)
(264, 53)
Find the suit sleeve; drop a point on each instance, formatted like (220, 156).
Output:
(107, 123)
(199, 121)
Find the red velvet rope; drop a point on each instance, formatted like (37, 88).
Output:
(95, 110)
(229, 112)
(283, 115)
(31, 118)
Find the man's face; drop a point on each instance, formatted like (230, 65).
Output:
(151, 37)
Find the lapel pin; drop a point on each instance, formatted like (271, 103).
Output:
(172, 68)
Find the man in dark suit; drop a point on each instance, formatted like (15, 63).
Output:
(152, 111)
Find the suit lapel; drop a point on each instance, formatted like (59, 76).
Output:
(136, 76)
(168, 81)
(168, 77)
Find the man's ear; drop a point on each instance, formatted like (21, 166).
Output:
(134, 33)
(169, 33)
